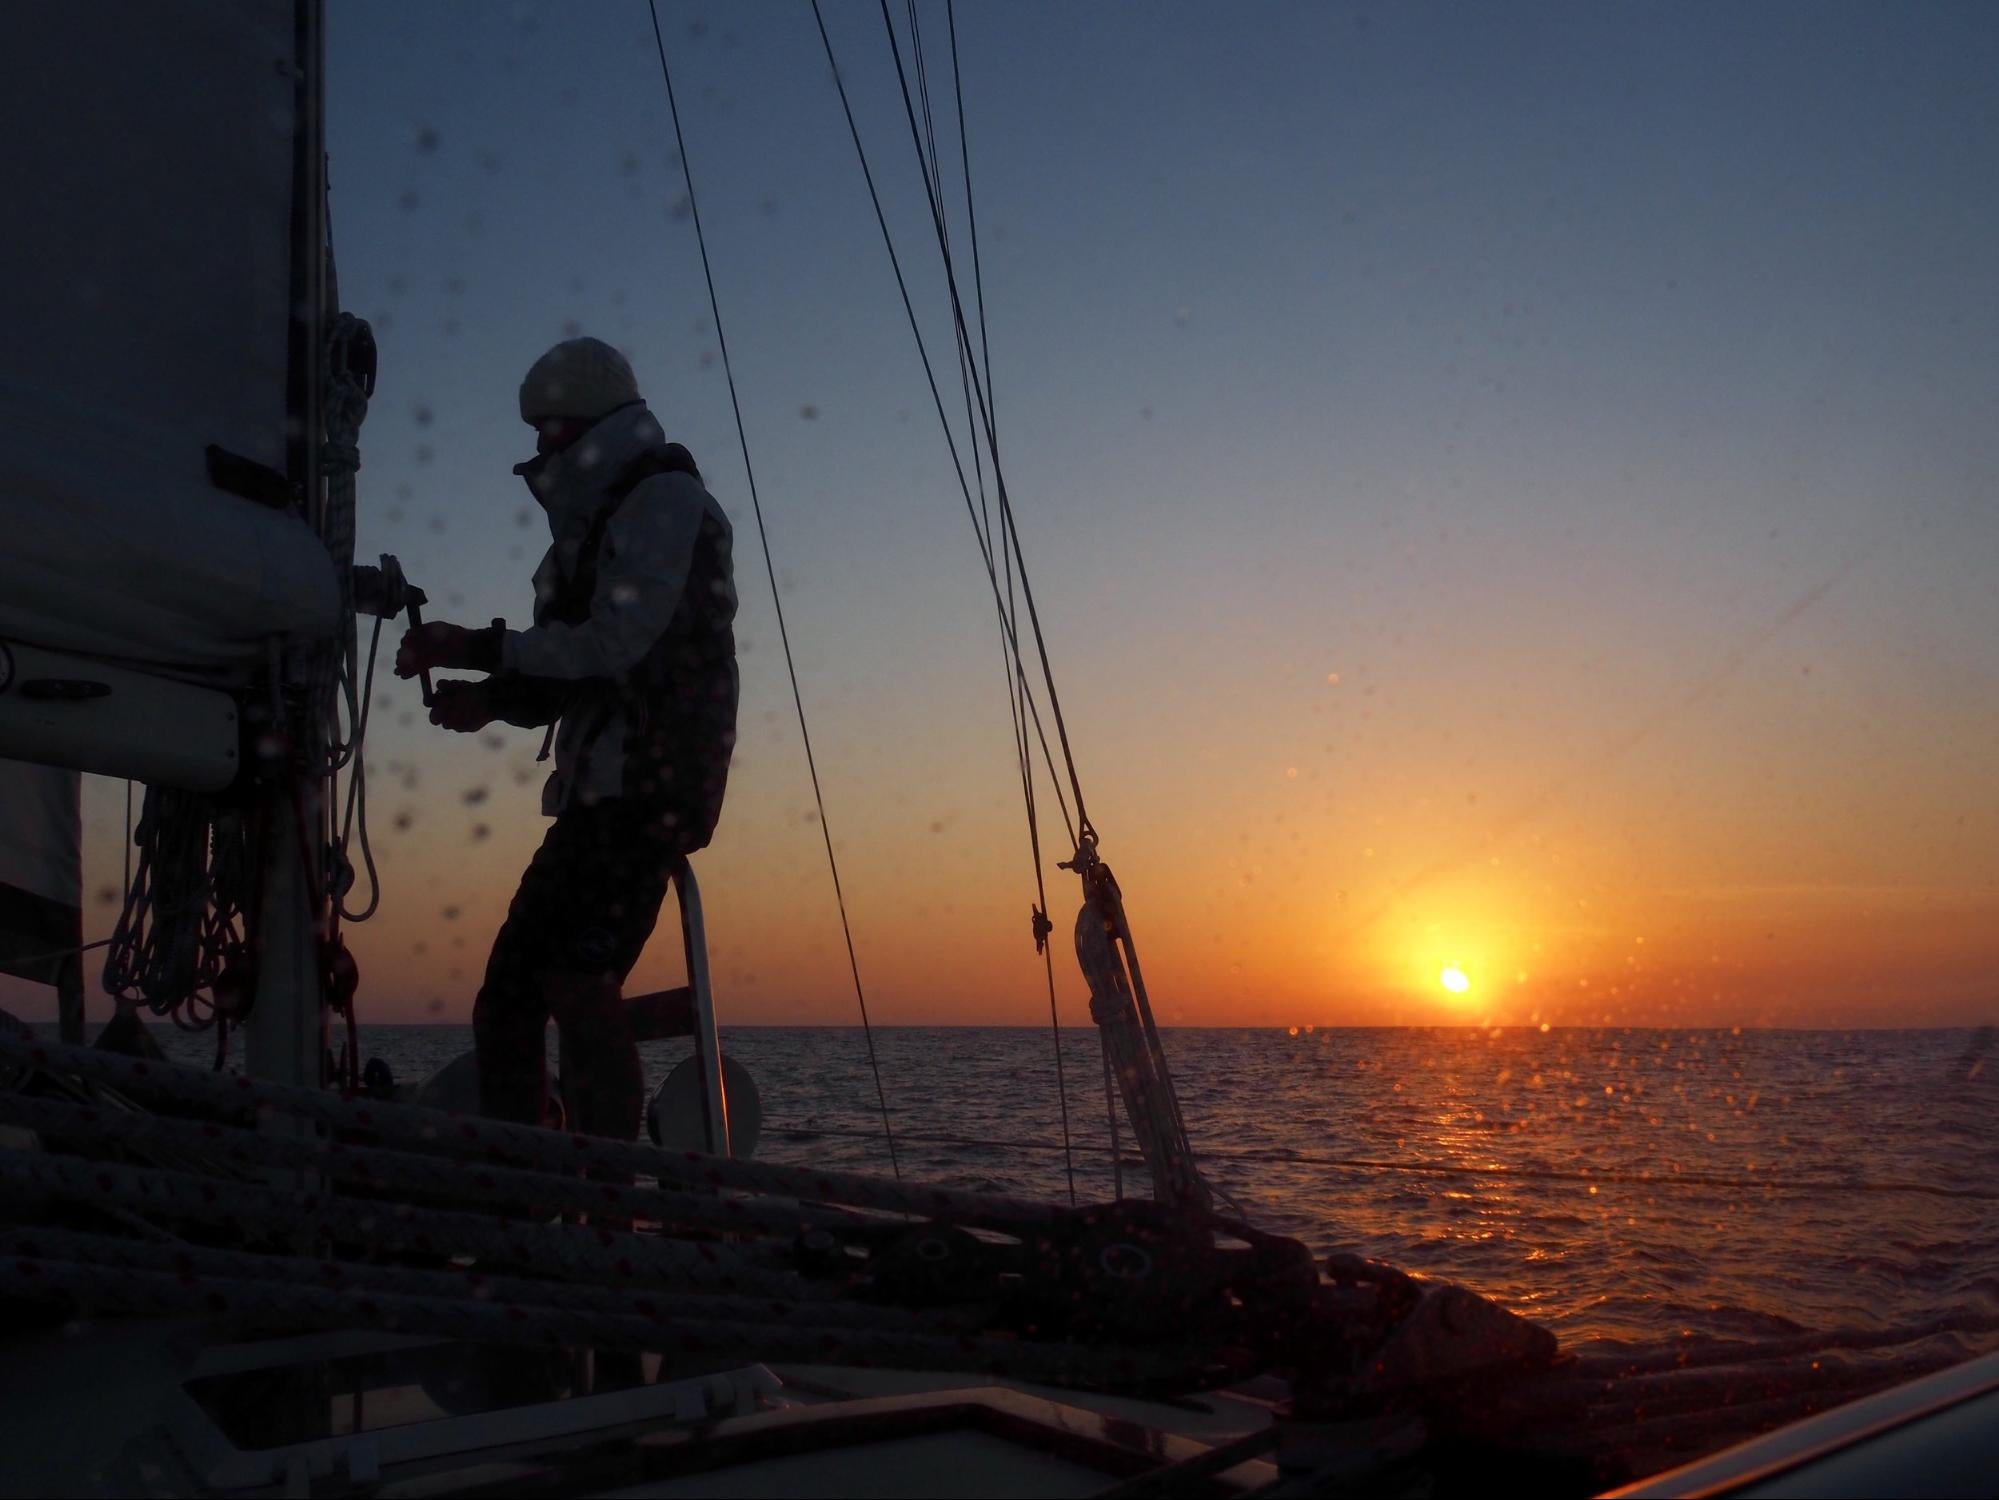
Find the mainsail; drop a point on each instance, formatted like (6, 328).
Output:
(173, 605)
(151, 493)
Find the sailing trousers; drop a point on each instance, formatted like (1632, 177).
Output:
(587, 903)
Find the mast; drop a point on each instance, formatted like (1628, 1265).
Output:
(286, 1031)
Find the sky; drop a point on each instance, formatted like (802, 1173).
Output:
(1509, 489)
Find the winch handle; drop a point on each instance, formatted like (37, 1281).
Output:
(386, 592)
(416, 623)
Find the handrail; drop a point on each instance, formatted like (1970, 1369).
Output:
(707, 1041)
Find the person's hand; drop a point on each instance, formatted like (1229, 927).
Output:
(461, 706)
(438, 644)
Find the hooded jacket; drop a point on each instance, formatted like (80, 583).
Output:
(632, 648)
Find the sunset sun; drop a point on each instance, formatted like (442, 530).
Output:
(1454, 980)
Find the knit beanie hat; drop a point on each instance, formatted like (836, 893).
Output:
(579, 378)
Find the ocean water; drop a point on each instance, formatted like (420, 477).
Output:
(1617, 1185)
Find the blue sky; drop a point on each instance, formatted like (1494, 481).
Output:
(1605, 394)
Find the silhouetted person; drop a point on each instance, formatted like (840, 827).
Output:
(631, 661)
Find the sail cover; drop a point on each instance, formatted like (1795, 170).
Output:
(41, 870)
(148, 267)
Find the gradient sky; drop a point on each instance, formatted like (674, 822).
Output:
(1510, 487)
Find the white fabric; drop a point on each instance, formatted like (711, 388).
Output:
(146, 274)
(41, 831)
(642, 567)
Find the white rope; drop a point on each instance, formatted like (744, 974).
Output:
(345, 409)
(431, 1178)
(521, 1145)
(592, 1254)
(341, 677)
(254, 1303)
(458, 1282)
(183, 908)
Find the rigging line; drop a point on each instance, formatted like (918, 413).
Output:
(922, 351)
(1017, 687)
(1020, 676)
(1016, 682)
(1007, 623)
(25, 959)
(1008, 626)
(934, 171)
(930, 374)
(777, 601)
(1021, 748)
(933, 167)
(963, 337)
(972, 219)
(968, 378)
(1085, 830)
(357, 794)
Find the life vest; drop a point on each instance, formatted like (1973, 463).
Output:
(678, 703)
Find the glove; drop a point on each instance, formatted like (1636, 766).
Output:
(465, 707)
(437, 644)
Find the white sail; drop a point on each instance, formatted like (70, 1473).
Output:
(148, 267)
